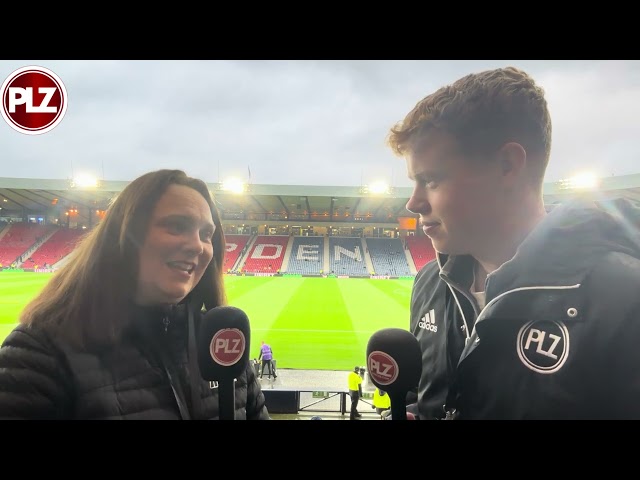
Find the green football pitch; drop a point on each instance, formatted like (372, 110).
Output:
(311, 323)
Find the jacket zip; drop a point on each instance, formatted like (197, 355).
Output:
(456, 288)
(174, 382)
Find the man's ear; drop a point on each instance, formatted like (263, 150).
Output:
(513, 160)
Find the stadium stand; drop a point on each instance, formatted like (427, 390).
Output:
(54, 249)
(307, 256)
(18, 239)
(387, 257)
(421, 250)
(235, 247)
(266, 254)
(346, 256)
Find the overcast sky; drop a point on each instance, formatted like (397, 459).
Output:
(306, 122)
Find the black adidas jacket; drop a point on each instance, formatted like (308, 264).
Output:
(558, 337)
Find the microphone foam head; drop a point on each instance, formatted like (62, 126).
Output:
(394, 360)
(223, 340)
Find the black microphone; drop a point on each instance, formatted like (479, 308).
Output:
(394, 361)
(223, 352)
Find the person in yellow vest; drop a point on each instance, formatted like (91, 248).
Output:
(355, 391)
(381, 401)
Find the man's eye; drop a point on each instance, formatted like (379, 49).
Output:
(427, 183)
(206, 236)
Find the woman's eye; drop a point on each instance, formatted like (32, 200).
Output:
(175, 227)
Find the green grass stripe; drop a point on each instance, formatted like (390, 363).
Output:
(312, 323)
(263, 299)
(315, 331)
(16, 290)
(236, 287)
(5, 329)
(371, 310)
(397, 290)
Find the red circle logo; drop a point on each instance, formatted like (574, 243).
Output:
(227, 346)
(382, 368)
(34, 100)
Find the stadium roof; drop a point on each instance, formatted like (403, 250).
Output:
(279, 202)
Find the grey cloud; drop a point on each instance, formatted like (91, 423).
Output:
(298, 122)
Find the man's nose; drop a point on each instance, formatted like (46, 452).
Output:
(418, 204)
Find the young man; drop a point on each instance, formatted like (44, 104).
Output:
(524, 314)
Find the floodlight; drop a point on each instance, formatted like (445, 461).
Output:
(581, 181)
(233, 185)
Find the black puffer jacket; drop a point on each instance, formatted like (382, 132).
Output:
(148, 377)
(558, 337)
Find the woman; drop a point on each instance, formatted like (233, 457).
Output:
(112, 334)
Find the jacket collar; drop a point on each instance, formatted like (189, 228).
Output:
(151, 318)
(562, 249)
(456, 270)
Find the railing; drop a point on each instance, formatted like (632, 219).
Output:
(319, 399)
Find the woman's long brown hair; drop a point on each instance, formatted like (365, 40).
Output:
(88, 300)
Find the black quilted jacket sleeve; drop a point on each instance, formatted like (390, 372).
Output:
(256, 408)
(34, 382)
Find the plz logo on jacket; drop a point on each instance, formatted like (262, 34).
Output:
(543, 345)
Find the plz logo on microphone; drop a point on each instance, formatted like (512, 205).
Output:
(383, 369)
(227, 346)
(34, 100)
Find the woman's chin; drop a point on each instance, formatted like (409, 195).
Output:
(174, 296)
